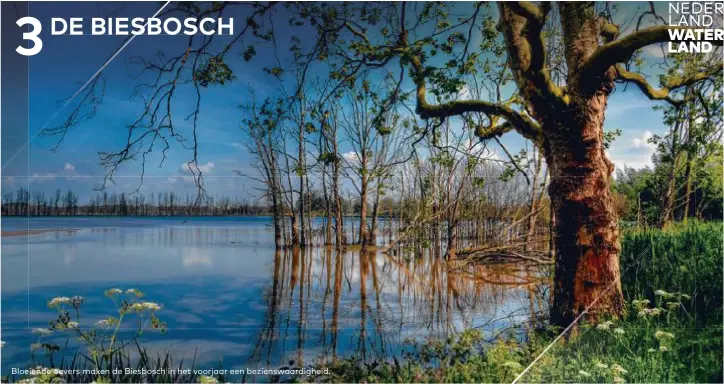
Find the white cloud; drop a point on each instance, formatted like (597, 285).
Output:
(42, 177)
(464, 93)
(637, 154)
(643, 141)
(69, 167)
(238, 145)
(350, 156)
(195, 168)
(655, 50)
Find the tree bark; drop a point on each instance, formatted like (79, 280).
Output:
(376, 213)
(452, 239)
(587, 238)
(363, 234)
(688, 181)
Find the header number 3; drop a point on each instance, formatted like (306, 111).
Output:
(32, 36)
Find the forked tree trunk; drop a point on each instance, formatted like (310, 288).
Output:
(587, 238)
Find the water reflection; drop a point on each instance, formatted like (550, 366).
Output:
(340, 303)
(229, 297)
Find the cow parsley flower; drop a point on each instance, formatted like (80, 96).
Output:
(58, 301)
(103, 323)
(605, 325)
(618, 369)
(650, 312)
(661, 335)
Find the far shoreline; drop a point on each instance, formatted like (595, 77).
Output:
(30, 232)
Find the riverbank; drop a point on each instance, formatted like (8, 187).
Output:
(672, 331)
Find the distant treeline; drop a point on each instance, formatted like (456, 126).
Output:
(37, 203)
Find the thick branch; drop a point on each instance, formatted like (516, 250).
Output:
(621, 50)
(522, 24)
(523, 124)
(664, 93)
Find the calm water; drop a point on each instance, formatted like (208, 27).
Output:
(230, 299)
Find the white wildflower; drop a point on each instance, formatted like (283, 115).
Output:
(58, 301)
(663, 294)
(672, 305)
(113, 292)
(601, 365)
(103, 323)
(618, 369)
(605, 326)
(661, 335)
(584, 373)
(618, 331)
(663, 348)
(618, 380)
(41, 331)
(72, 324)
(640, 304)
(646, 312)
(151, 306)
(651, 350)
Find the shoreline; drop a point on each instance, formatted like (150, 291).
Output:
(30, 232)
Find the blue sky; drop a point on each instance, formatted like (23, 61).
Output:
(67, 61)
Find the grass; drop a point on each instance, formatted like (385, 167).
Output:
(672, 331)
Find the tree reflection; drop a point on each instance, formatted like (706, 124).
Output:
(323, 303)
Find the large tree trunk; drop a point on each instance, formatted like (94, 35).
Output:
(587, 238)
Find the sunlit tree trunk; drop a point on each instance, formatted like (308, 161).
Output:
(587, 238)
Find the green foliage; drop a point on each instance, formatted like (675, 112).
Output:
(214, 72)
